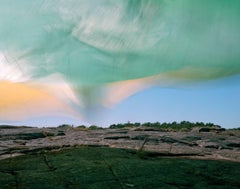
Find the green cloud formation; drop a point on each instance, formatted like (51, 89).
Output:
(94, 43)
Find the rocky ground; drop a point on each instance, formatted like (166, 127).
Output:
(74, 158)
(198, 143)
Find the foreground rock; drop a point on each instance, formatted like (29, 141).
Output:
(211, 144)
(101, 168)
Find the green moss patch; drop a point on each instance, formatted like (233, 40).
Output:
(96, 168)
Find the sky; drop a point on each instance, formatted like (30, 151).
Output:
(109, 61)
(215, 101)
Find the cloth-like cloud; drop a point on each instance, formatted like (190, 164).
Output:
(68, 57)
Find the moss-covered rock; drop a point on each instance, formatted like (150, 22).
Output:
(91, 168)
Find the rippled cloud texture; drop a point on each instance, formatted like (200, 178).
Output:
(70, 57)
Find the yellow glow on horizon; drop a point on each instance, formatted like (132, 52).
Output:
(22, 100)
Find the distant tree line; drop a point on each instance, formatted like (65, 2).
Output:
(183, 125)
(173, 125)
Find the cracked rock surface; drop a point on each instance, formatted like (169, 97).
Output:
(118, 158)
(102, 167)
(223, 145)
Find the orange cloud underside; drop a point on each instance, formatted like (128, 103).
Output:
(21, 100)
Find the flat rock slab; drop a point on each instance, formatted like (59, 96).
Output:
(224, 145)
(101, 168)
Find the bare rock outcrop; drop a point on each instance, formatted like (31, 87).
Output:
(224, 145)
